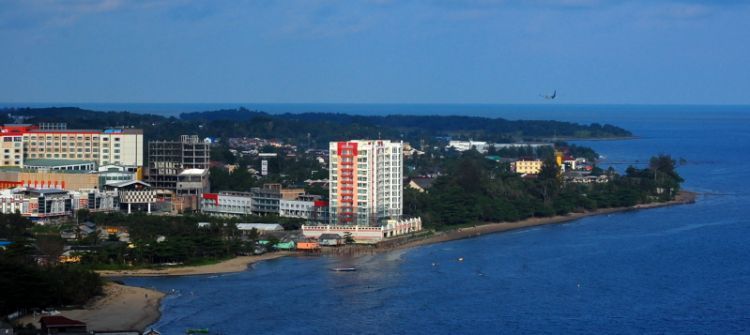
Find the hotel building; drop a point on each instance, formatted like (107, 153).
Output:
(366, 182)
(21, 142)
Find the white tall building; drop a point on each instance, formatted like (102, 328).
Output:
(366, 182)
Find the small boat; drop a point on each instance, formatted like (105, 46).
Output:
(196, 331)
(344, 269)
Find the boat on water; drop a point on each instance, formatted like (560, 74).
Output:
(197, 331)
(344, 269)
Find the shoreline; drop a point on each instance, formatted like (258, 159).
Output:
(236, 264)
(131, 309)
(241, 263)
(119, 308)
(682, 198)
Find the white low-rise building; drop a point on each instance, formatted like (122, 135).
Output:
(227, 204)
(365, 234)
(262, 227)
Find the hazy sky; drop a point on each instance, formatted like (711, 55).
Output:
(432, 51)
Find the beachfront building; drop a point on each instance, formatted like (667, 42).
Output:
(366, 182)
(365, 234)
(23, 142)
(305, 206)
(527, 166)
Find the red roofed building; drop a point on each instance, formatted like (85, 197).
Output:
(61, 325)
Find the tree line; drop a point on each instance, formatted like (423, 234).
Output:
(475, 189)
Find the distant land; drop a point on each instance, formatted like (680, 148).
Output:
(317, 127)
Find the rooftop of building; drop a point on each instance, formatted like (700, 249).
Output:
(59, 321)
(424, 183)
(129, 183)
(193, 172)
(40, 170)
(45, 191)
(55, 162)
(30, 128)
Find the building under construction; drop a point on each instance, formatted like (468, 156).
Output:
(168, 159)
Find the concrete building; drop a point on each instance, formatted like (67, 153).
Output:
(95, 200)
(302, 207)
(366, 182)
(364, 234)
(167, 159)
(266, 199)
(11, 145)
(46, 204)
(193, 182)
(527, 166)
(42, 178)
(112, 174)
(134, 195)
(480, 146)
(227, 204)
(56, 141)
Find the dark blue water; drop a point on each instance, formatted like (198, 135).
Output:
(675, 270)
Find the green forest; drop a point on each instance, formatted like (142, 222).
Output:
(475, 189)
(315, 129)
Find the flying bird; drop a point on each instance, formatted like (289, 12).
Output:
(550, 97)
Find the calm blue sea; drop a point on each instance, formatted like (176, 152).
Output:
(677, 270)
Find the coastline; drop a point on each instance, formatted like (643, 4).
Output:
(121, 307)
(683, 198)
(236, 264)
(127, 302)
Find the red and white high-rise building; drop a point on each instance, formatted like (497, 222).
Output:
(366, 182)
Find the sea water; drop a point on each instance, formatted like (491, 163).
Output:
(680, 270)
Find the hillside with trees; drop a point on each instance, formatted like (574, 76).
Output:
(317, 129)
(475, 189)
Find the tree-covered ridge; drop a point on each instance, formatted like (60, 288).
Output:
(483, 127)
(478, 190)
(315, 128)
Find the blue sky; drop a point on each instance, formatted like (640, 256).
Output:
(380, 51)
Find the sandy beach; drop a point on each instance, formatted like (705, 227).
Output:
(236, 264)
(120, 308)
